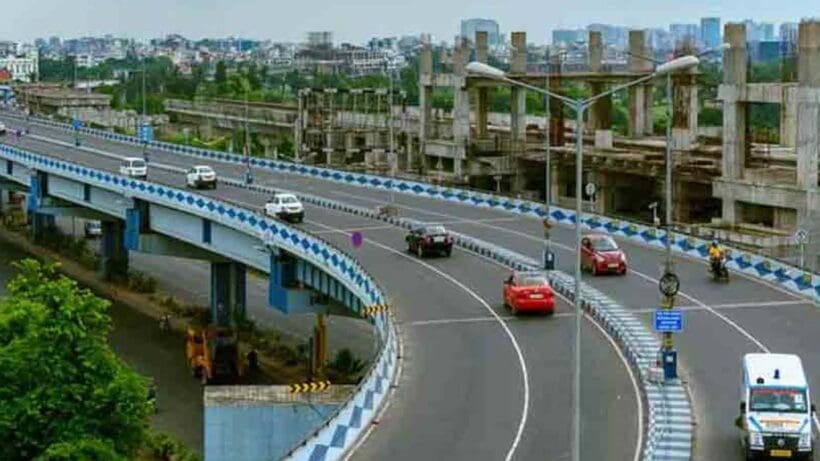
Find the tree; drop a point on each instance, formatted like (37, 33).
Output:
(62, 382)
(221, 74)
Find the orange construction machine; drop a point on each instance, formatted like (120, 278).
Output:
(213, 355)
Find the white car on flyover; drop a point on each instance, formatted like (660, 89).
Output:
(285, 206)
(201, 176)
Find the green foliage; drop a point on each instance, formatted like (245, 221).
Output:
(710, 116)
(346, 362)
(81, 450)
(166, 447)
(61, 380)
(141, 282)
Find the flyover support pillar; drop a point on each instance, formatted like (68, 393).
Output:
(113, 252)
(228, 292)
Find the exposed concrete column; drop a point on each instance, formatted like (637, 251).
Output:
(461, 106)
(734, 111)
(808, 106)
(227, 291)
(425, 97)
(788, 116)
(518, 96)
(684, 110)
(600, 112)
(483, 93)
(113, 253)
(638, 107)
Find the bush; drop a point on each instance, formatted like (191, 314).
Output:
(166, 447)
(345, 362)
(81, 450)
(141, 282)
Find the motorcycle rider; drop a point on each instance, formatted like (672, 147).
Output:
(715, 256)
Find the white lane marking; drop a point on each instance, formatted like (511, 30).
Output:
(480, 319)
(522, 363)
(354, 229)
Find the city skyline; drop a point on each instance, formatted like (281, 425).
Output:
(208, 18)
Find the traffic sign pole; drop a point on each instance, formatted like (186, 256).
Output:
(669, 285)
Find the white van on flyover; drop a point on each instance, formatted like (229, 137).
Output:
(134, 167)
(775, 413)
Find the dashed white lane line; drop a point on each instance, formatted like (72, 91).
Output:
(522, 363)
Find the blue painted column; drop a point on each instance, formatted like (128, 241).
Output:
(40, 223)
(282, 279)
(113, 252)
(227, 291)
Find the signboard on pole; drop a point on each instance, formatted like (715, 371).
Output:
(146, 133)
(77, 123)
(668, 321)
(801, 236)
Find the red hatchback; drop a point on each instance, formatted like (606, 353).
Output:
(528, 291)
(600, 254)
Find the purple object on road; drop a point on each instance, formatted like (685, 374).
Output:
(356, 238)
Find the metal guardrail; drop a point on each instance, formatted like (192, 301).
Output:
(371, 393)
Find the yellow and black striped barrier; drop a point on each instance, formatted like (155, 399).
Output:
(301, 388)
(369, 311)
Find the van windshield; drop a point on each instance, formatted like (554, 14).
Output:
(778, 399)
(137, 163)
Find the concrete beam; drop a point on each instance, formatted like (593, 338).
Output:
(481, 47)
(228, 295)
(161, 245)
(74, 212)
(639, 110)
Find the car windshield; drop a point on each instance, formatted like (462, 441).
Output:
(137, 163)
(289, 199)
(436, 230)
(604, 244)
(205, 170)
(531, 279)
(778, 399)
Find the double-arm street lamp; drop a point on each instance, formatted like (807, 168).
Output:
(579, 106)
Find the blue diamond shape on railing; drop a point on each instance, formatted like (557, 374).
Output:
(200, 203)
(142, 187)
(432, 191)
(476, 200)
(558, 215)
(781, 275)
(241, 216)
(231, 213)
(305, 244)
(702, 250)
(742, 262)
(220, 209)
(334, 260)
(343, 266)
(403, 186)
(325, 253)
(253, 221)
(361, 180)
(374, 182)
(803, 283)
(315, 248)
(417, 189)
(179, 196)
(349, 178)
(337, 176)
(313, 171)
(263, 225)
(302, 170)
(295, 239)
(763, 268)
(524, 208)
(151, 189)
(324, 173)
(284, 233)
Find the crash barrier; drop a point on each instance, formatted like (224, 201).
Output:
(341, 431)
(781, 274)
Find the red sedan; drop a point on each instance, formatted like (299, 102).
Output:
(528, 291)
(600, 254)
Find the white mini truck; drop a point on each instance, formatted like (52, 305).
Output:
(776, 415)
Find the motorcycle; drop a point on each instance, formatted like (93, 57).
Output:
(718, 269)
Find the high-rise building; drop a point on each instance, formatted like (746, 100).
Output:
(616, 36)
(470, 26)
(788, 32)
(684, 33)
(320, 40)
(566, 36)
(759, 31)
(766, 32)
(710, 32)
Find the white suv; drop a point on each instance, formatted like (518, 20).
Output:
(285, 206)
(2, 128)
(134, 167)
(201, 176)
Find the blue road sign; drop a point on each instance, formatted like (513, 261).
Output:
(668, 321)
(77, 123)
(146, 132)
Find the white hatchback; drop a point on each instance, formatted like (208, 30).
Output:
(201, 176)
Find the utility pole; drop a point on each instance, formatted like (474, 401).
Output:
(247, 150)
(392, 155)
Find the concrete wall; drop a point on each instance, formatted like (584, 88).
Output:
(256, 423)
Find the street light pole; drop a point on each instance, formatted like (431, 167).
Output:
(391, 156)
(668, 179)
(247, 150)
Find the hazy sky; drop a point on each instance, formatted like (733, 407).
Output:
(358, 20)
